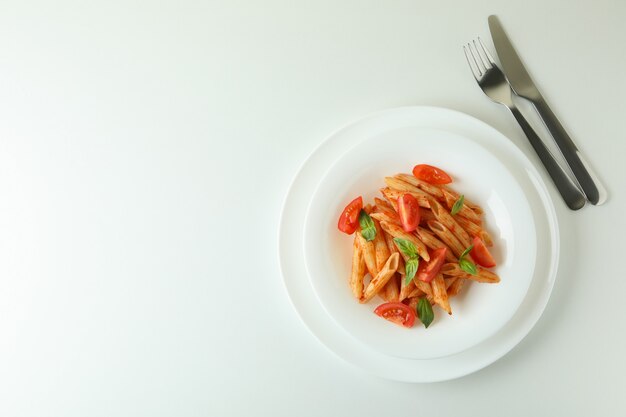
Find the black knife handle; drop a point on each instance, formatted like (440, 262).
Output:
(569, 150)
(570, 193)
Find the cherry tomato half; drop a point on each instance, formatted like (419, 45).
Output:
(426, 271)
(349, 219)
(397, 313)
(409, 211)
(431, 174)
(481, 254)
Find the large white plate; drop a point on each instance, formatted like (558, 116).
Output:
(480, 310)
(354, 350)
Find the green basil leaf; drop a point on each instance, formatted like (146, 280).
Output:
(466, 251)
(458, 205)
(411, 268)
(406, 247)
(468, 266)
(425, 312)
(368, 229)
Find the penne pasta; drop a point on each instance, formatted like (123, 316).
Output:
(397, 184)
(412, 303)
(392, 288)
(390, 243)
(392, 196)
(474, 229)
(396, 231)
(449, 281)
(426, 215)
(406, 289)
(383, 292)
(384, 206)
(475, 207)
(465, 212)
(431, 189)
(383, 217)
(388, 210)
(369, 253)
(447, 237)
(358, 270)
(401, 266)
(456, 284)
(391, 291)
(448, 221)
(383, 276)
(416, 293)
(486, 237)
(440, 294)
(380, 247)
(432, 242)
(424, 286)
(482, 275)
(394, 249)
(436, 236)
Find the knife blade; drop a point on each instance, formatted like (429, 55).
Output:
(512, 65)
(523, 85)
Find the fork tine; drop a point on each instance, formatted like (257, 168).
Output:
(477, 61)
(474, 68)
(486, 51)
(484, 60)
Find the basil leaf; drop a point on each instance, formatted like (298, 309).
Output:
(406, 247)
(466, 251)
(368, 229)
(468, 266)
(411, 268)
(458, 205)
(425, 312)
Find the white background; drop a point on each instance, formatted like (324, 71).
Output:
(146, 149)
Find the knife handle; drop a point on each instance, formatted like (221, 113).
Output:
(596, 194)
(570, 193)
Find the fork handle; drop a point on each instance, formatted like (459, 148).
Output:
(573, 197)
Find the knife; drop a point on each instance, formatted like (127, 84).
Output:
(523, 86)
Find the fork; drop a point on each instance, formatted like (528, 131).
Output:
(494, 84)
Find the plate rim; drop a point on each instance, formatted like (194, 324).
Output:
(457, 120)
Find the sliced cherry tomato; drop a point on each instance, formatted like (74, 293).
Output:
(426, 271)
(409, 211)
(481, 254)
(349, 219)
(397, 313)
(431, 174)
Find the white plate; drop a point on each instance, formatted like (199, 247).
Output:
(351, 349)
(482, 309)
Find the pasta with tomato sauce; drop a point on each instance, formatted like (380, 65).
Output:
(419, 245)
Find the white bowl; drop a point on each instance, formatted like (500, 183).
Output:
(481, 309)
